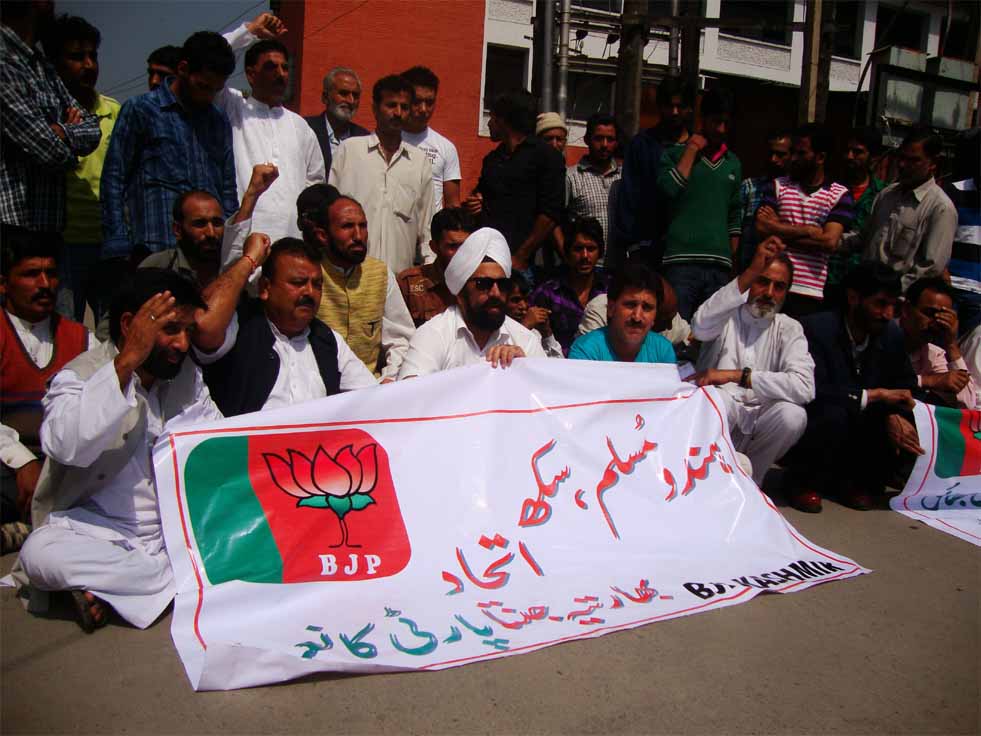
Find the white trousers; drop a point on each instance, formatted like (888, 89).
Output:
(778, 427)
(66, 554)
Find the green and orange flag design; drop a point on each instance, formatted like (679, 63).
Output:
(958, 442)
(265, 508)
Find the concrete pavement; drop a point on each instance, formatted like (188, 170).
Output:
(894, 652)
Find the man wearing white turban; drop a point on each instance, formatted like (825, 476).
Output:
(476, 328)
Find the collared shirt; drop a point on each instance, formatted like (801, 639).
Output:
(446, 342)
(911, 231)
(397, 196)
(160, 149)
(566, 311)
(333, 137)
(84, 223)
(587, 191)
(424, 291)
(596, 345)
(38, 343)
(34, 159)
(931, 360)
(299, 376)
(518, 186)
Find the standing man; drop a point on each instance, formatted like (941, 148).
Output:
(913, 223)
(522, 181)
(72, 45)
(751, 191)
(391, 177)
(45, 129)
(809, 213)
(424, 287)
(551, 128)
(341, 97)
(588, 183)
(264, 131)
(699, 182)
(165, 142)
(160, 64)
(439, 149)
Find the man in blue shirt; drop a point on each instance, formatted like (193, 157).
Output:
(166, 142)
(634, 294)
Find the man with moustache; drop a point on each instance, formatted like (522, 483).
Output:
(476, 328)
(361, 298)
(160, 64)
(588, 184)
(272, 351)
(860, 426)
(264, 131)
(757, 357)
(35, 343)
(752, 188)
(341, 98)
(392, 180)
(97, 529)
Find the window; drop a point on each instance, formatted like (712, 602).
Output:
(506, 70)
(897, 27)
(608, 6)
(774, 18)
(959, 39)
(849, 16)
(588, 94)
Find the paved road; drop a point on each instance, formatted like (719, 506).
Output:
(894, 652)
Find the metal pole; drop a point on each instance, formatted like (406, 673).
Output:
(630, 65)
(548, 53)
(674, 65)
(561, 99)
(807, 106)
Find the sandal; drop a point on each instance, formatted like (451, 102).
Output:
(83, 609)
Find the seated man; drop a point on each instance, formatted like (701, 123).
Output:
(757, 357)
(306, 359)
(476, 328)
(534, 318)
(929, 323)
(35, 343)
(861, 415)
(97, 530)
(424, 287)
(634, 293)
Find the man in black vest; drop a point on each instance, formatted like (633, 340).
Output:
(273, 351)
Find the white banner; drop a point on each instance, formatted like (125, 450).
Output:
(472, 514)
(944, 489)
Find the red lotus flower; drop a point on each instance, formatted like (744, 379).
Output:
(341, 483)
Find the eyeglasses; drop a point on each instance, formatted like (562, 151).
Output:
(485, 283)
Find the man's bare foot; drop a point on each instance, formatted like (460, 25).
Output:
(92, 612)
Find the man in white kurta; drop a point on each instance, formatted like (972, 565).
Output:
(264, 131)
(476, 329)
(96, 522)
(758, 358)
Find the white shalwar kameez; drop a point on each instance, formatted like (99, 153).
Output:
(112, 544)
(768, 419)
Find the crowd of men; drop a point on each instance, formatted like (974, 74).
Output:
(294, 258)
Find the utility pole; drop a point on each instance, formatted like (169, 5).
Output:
(691, 33)
(562, 97)
(674, 66)
(543, 54)
(819, 31)
(630, 65)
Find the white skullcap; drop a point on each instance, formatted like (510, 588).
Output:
(484, 243)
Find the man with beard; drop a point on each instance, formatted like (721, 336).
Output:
(929, 323)
(757, 357)
(860, 428)
(442, 154)
(264, 131)
(361, 298)
(809, 213)
(97, 530)
(392, 179)
(751, 192)
(699, 182)
(165, 142)
(273, 351)
(45, 129)
(476, 328)
(72, 45)
(424, 287)
(341, 97)
(588, 183)
(35, 343)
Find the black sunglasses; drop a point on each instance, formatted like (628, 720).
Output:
(484, 283)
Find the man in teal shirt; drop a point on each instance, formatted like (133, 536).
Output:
(634, 294)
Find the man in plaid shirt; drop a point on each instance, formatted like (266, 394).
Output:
(588, 183)
(45, 129)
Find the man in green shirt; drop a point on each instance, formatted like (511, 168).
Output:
(700, 182)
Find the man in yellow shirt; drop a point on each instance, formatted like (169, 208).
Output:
(72, 45)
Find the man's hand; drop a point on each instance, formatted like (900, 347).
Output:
(537, 317)
(518, 262)
(891, 396)
(263, 176)
(503, 355)
(266, 27)
(714, 377)
(902, 434)
(697, 142)
(952, 382)
(73, 116)
(26, 476)
(474, 204)
(256, 248)
(144, 327)
(766, 212)
(765, 253)
(947, 326)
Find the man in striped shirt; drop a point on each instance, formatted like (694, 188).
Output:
(809, 213)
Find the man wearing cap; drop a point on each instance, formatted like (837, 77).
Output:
(551, 128)
(476, 328)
